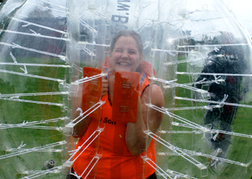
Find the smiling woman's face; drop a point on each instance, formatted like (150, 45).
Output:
(125, 55)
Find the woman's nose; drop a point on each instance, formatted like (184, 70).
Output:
(124, 54)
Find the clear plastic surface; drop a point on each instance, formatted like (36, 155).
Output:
(34, 88)
(194, 50)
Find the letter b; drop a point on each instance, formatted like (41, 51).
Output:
(122, 19)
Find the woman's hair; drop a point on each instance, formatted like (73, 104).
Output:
(126, 33)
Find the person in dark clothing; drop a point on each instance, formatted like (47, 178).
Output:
(229, 88)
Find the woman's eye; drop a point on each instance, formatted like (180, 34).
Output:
(132, 52)
(118, 50)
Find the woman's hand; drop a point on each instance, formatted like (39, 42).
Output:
(111, 82)
(135, 136)
(105, 86)
(81, 124)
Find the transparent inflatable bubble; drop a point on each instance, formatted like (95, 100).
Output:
(214, 71)
(34, 88)
(54, 56)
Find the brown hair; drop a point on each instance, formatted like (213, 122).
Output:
(131, 33)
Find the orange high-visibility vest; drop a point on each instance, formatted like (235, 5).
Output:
(108, 156)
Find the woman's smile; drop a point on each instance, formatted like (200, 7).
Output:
(125, 55)
(124, 63)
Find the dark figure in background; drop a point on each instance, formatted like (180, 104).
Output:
(227, 60)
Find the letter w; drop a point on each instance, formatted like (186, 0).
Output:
(122, 7)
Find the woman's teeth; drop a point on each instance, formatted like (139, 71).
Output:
(124, 63)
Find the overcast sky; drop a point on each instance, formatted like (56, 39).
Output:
(243, 12)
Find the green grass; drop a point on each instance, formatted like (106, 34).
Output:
(17, 112)
(14, 112)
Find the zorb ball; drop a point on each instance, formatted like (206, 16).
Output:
(33, 80)
(214, 73)
(56, 53)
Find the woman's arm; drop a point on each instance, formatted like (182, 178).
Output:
(135, 137)
(81, 127)
(154, 95)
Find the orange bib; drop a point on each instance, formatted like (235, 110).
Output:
(116, 161)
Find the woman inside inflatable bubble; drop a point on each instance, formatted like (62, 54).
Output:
(122, 143)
